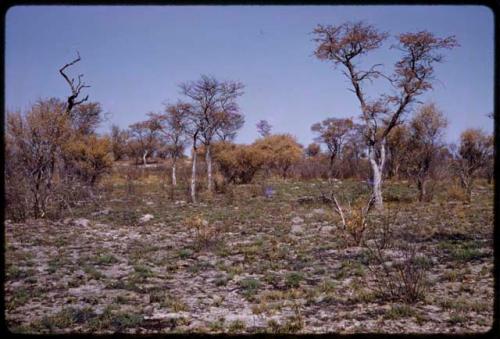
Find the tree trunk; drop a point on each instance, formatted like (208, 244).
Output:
(208, 159)
(193, 176)
(421, 189)
(174, 178)
(332, 158)
(377, 171)
(144, 158)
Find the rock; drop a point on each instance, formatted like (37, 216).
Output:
(318, 211)
(146, 218)
(326, 230)
(66, 221)
(297, 229)
(388, 264)
(81, 222)
(269, 192)
(158, 315)
(103, 212)
(149, 203)
(180, 202)
(297, 220)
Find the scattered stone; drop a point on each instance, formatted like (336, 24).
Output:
(146, 218)
(180, 202)
(103, 212)
(82, 222)
(297, 229)
(318, 211)
(297, 220)
(326, 230)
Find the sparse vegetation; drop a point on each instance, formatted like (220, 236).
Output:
(127, 233)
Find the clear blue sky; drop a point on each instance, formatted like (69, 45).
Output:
(135, 57)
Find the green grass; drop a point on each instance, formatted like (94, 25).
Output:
(399, 311)
(293, 279)
(249, 287)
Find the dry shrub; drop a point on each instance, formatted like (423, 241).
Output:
(280, 152)
(131, 174)
(237, 163)
(88, 157)
(311, 168)
(205, 234)
(353, 215)
(399, 279)
(455, 192)
(54, 158)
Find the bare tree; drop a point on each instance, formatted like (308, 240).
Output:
(312, 150)
(333, 132)
(413, 75)
(425, 140)
(86, 117)
(119, 139)
(173, 124)
(76, 87)
(145, 135)
(229, 126)
(214, 110)
(35, 141)
(264, 128)
(396, 148)
(473, 153)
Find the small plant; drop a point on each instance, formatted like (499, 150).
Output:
(236, 326)
(93, 272)
(142, 271)
(185, 253)
(221, 280)
(353, 216)
(125, 320)
(465, 254)
(293, 279)
(205, 234)
(398, 311)
(106, 259)
(457, 318)
(401, 279)
(250, 286)
(174, 303)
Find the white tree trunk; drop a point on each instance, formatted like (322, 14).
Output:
(144, 157)
(208, 159)
(377, 171)
(193, 177)
(174, 178)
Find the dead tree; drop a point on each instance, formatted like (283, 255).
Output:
(76, 88)
(353, 215)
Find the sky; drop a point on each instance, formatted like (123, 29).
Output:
(135, 57)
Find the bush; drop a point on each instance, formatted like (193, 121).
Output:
(280, 152)
(52, 158)
(89, 157)
(237, 163)
(399, 279)
(205, 234)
